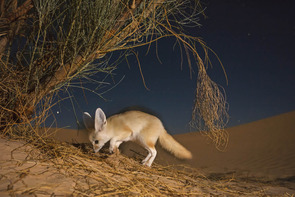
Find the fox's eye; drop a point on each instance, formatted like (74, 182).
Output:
(96, 141)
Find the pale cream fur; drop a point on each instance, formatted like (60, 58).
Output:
(143, 128)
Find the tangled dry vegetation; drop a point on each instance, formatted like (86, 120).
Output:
(53, 168)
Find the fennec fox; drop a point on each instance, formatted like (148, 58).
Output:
(137, 126)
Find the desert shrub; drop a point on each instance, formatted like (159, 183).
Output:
(44, 45)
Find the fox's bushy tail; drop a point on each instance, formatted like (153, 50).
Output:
(171, 145)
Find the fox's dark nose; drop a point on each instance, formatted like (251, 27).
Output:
(96, 141)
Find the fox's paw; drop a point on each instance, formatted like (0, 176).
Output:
(114, 151)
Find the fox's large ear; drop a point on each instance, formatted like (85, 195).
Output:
(88, 121)
(100, 120)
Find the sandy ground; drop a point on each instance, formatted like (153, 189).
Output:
(259, 161)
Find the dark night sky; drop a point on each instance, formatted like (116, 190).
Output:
(255, 41)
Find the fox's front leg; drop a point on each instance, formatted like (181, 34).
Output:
(114, 146)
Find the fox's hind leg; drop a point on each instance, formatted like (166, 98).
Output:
(147, 158)
(151, 156)
(148, 138)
